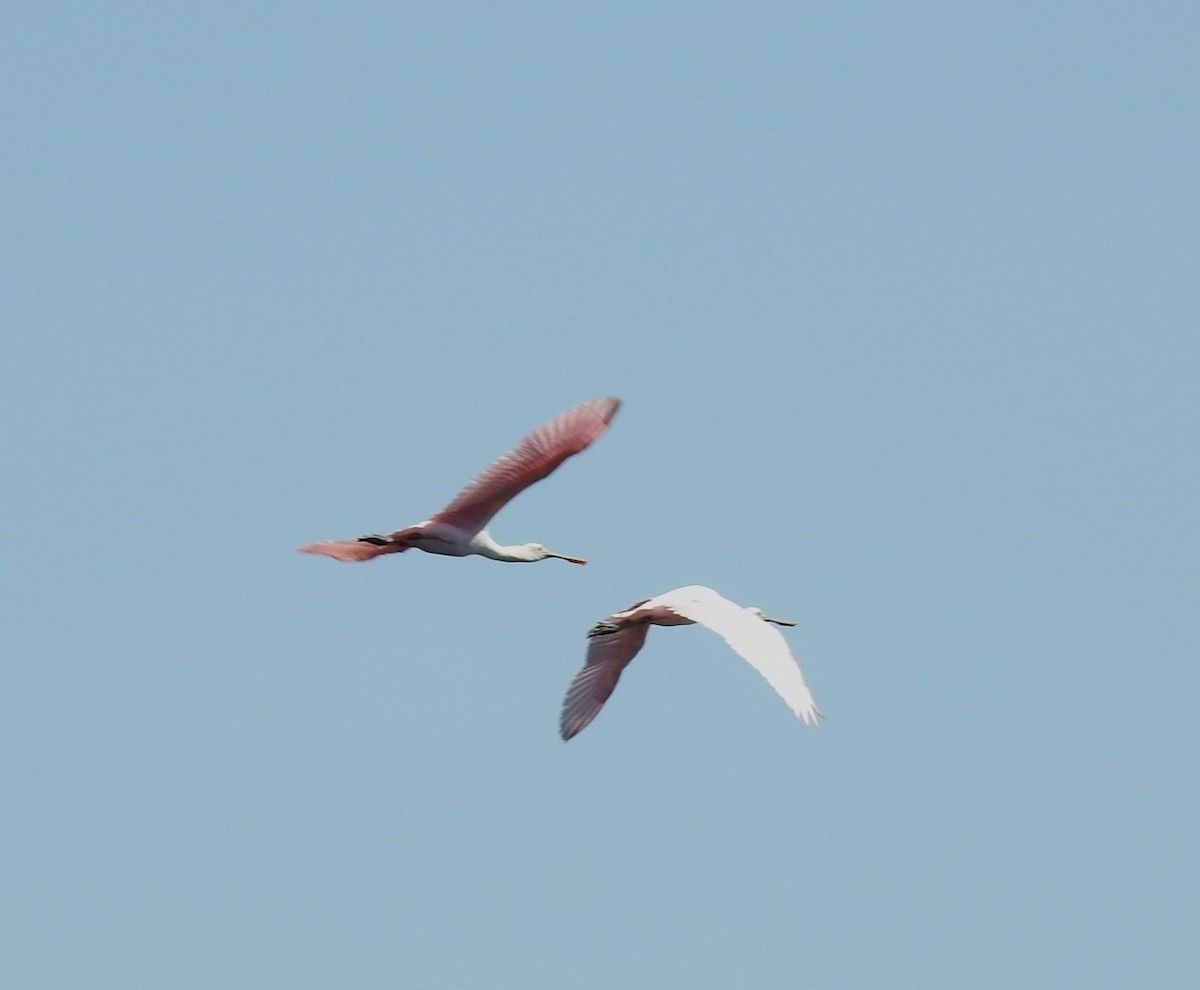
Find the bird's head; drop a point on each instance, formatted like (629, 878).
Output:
(766, 618)
(539, 552)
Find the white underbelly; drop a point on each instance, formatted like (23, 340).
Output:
(443, 539)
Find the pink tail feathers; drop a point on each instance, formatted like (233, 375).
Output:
(351, 551)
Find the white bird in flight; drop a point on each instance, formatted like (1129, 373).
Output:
(460, 528)
(617, 640)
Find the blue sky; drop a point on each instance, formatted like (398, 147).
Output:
(902, 303)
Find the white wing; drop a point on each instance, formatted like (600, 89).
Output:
(757, 642)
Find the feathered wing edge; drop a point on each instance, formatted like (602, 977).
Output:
(351, 551)
(757, 642)
(363, 548)
(539, 453)
(609, 653)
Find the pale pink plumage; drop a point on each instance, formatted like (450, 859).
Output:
(460, 528)
(613, 643)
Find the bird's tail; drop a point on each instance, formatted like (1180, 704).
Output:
(351, 551)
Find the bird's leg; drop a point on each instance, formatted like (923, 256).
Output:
(603, 629)
(374, 540)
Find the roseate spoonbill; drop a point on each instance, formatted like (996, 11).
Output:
(459, 529)
(617, 640)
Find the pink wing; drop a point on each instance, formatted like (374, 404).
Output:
(365, 547)
(531, 460)
(608, 654)
(350, 551)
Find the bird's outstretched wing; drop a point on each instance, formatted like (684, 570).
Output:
(351, 551)
(364, 548)
(539, 453)
(609, 652)
(756, 641)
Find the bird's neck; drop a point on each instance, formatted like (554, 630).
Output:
(485, 546)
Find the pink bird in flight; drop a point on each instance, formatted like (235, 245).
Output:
(613, 643)
(460, 529)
